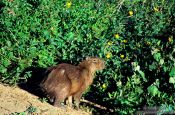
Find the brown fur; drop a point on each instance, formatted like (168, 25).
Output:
(67, 81)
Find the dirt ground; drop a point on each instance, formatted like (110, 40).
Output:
(14, 99)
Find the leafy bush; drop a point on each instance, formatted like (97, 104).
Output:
(135, 37)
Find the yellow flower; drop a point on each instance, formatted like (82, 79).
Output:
(108, 55)
(68, 4)
(131, 13)
(125, 41)
(117, 36)
(170, 39)
(156, 9)
(109, 43)
(104, 86)
(122, 56)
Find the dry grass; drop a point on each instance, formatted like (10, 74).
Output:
(14, 99)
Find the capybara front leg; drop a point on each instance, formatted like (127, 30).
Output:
(69, 101)
(77, 98)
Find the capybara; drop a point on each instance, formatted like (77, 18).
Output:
(67, 81)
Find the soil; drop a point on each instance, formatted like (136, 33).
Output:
(14, 99)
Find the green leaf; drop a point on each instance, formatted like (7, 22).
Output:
(9, 43)
(153, 90)
(70, 36)
(165, 69)
(161, 61)
(142, 74)
(3, 70)
(46, 33)
(23, 113)
(117, 62)
(172, 80)
(110, 95)
(6, 62)
(158, 43)
(152, 66)
(172, 72)
(157, 56)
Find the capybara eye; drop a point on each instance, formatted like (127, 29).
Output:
(94, 60)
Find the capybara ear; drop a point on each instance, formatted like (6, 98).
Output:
(87, 58)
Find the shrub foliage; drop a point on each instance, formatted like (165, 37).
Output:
(135, 37)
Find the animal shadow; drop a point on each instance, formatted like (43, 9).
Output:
(32, 83)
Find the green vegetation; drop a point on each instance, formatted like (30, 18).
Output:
(135, 37)
(29, 111)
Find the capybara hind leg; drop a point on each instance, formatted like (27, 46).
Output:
(57, 102)
(61, 95)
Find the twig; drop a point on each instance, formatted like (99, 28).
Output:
(144, 1)
(96, 105)
(119, 6)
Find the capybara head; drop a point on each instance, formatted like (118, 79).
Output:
(95, 63)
